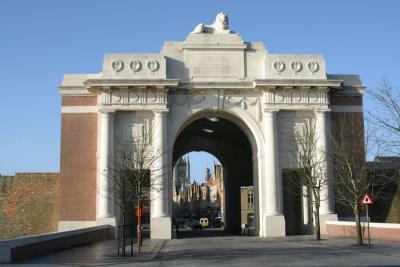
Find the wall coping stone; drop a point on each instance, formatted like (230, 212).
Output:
(7, 245)
(364, 224)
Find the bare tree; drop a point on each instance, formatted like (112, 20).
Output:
(350, 168)
(386, 116)
(310, 176)
(352, 177)
(136, 173)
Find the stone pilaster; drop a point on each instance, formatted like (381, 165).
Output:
(160, 212)
(105, 187)
(274, 221)
(323, 131)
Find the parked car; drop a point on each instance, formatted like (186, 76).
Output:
(196, 225)
(218, 222)
(193, 225)
(204, 222)
(146, 227)
(188, 225)
(179, 220)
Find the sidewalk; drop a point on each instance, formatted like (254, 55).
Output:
(101, 253)
(201, 250)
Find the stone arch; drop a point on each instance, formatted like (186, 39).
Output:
(242, 119)
(251, 129)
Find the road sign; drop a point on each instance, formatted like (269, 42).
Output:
(366, 200)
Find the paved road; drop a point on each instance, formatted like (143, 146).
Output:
(292, 251)
(205, 249)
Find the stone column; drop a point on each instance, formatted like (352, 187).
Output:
(160, 216)
(323, 131)
(106, 203)
(257, 197)
(274, 222)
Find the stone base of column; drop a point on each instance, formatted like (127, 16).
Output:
(275, 226)
(161, 228)
(324, 218)
(110, 221)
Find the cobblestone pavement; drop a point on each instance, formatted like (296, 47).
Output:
(201, 249)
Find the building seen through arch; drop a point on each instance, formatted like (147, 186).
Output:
(211, 92)
(198, 199)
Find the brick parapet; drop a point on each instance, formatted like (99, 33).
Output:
(29, 204)
(377, 230)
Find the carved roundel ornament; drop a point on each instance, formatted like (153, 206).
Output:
(153, 65)
(135, 65)
(313, 66)
(279, 66)
(296, 66)
(117, 65)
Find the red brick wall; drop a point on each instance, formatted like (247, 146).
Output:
(79, 100)
(78, 166)
(354, 123)
(348, 119)
(346, 100)
(29, 204)
(375, 232)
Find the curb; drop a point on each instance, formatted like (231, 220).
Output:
(156, 249)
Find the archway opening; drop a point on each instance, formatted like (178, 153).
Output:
(230, 145)
(198, 194)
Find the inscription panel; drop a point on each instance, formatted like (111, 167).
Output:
(131, 129)
(215, 64)
(290, 122)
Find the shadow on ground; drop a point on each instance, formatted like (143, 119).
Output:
(214, 248)
(211, 232)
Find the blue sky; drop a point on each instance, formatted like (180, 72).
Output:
(42, 40)
(199, 161)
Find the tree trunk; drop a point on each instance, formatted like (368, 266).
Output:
(357, 212)
(317, 204)
(123, 217)
(123, 232)
(118, 237)
(317, 225)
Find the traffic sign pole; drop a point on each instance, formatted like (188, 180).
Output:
(139, 225)
(366, 200)
(369, 236)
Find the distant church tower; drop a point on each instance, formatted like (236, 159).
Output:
(207, 175)
(188, 170)
(181, 177)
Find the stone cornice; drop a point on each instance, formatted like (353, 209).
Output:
(74, 91)
(265, 83)
(98, 84)
(289, 83)
(214, 46)
(217, 85)
(274, 107)
(351, 91)
(113, 108)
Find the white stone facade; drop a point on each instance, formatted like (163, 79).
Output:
(218, 74)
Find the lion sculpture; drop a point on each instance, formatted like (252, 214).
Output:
(220, 25)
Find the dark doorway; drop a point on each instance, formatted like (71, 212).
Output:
(292, 204)
(225, 140)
